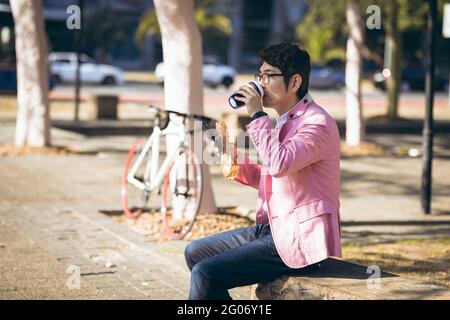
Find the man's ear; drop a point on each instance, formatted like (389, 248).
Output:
(296, 82)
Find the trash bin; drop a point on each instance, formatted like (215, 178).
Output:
(104, 106)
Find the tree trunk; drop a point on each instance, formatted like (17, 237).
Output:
(32, 126)
(355, 128)
(393, 37)
(183, 78)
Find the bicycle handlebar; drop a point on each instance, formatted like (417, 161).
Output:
(184, 115)
(206, 121)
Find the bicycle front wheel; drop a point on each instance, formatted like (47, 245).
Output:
(181, 195)
(133, 199)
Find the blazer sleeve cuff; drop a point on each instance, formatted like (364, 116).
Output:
(257, 115)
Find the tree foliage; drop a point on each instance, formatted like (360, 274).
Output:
(215, 28)
(324, 31)
(106, 28)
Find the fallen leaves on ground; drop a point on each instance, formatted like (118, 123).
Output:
(8, 150)
(364, 149)
(151, 225)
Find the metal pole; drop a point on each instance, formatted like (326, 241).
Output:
(79, 41)
(446, 34)
(428, 124)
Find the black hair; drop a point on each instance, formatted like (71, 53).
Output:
(290, 59)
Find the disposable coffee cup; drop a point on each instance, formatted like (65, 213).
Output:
(235, 104)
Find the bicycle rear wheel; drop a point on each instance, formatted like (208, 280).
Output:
(133, 200)
(181, 195)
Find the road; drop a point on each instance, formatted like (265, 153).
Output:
(143, 89)
(412, 104)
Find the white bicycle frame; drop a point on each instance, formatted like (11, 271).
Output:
(153, 176)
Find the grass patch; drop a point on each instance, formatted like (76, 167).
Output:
(426, 260)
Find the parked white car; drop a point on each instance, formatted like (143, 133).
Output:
(214, 73)
(63, 69)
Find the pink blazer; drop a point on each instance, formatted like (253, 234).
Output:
(298, 183)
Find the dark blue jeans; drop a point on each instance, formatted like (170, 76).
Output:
(231, 259)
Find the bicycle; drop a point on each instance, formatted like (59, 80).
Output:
(177, 179)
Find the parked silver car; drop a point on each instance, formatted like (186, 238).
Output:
(323, 77)
(214, 73)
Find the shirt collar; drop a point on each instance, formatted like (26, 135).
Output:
(297, 110)
(284, 117)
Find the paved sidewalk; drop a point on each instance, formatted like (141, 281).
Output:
(111, 257)
(50, 218)
(55, 202)
(28, 272)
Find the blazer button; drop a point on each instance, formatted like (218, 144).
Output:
(305, 101)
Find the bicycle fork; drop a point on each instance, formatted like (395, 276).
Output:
(176, 191)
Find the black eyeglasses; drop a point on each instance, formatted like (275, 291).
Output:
(264, 78)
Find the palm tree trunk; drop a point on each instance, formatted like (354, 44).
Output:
(355, 128)
(183, 78)
(32, 126)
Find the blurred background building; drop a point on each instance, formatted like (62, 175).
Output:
(110, 27)
(119, 32)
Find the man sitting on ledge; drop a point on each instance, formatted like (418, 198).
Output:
(297, 220)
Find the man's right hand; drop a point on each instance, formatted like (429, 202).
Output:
(230, 169)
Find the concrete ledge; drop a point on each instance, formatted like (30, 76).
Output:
(341, 280)
(106, 127)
